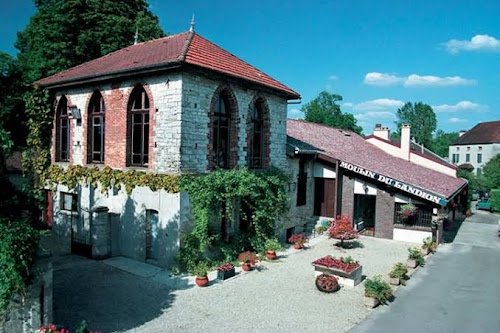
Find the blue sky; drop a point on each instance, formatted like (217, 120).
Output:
(376, 54)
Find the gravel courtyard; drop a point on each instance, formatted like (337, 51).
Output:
(277, 297)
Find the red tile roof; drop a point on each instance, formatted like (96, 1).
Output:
(349, 147)
(487, 132)
(184, 48)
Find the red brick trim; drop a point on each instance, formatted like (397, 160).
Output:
(152, 116)
(266, 128)
(234, 126)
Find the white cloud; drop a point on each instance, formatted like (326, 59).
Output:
(382, 79)
(457, 120)
(378, 104)
(295, 114)
(328, 87)
(415, 80)
(333, 77)
(476, 43)
(375, 115)
(348, 105)
(460, 106)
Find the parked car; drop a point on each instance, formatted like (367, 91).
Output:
(484, 204)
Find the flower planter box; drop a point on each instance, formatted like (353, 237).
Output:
(425, 251)
(394, 281)
(412, 263)
(345, 279)
(371, 302)
(225, 275)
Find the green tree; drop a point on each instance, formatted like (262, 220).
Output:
(442, 141)
(491, 172)
(422, 120)
(65, 33)
(325, 110)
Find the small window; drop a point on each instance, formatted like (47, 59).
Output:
(467, 157)
(468, 148)
(458, 148)
(302, 184)
(480, 148)
(479, 171)
(69, 202)
(479, 158)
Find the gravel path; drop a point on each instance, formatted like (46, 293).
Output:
(278, 296)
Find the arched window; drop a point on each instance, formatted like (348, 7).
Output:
(96, 120)
(221, 123)
(138, 128)
(62, 131)
(256, 130)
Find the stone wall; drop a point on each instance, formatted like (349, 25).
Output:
(298, 216)
(27, 314)
(384, 215)
(347, 195)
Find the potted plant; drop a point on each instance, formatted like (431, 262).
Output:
(225, 271)
(298, 240)
(272, 245)
(415, 258)
(247, 259)
(398, 271)
(407, 212)
(342, 230)
(327, 283)
(429, 245)
(376, 291)
(201, 272)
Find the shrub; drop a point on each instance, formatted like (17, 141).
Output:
(321, 229)
(378, 289)
(495, 199)
(415, 254)
(429, 243)
(248, 257)
(272, 244)
(342, 230)
(398, 271)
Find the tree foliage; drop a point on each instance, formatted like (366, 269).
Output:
(422, 120)
(65, 33)
(325, 110)
(442, 141)
(491, 172)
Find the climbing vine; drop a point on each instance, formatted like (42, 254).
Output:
(36, 157)
(107, 177)
(261, 191)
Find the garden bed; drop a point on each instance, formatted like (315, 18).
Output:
(348, 273)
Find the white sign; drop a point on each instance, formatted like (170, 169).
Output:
(394, 183)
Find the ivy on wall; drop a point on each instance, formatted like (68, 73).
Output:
(261, 191)
(107, 177)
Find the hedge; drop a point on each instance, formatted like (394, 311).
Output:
(495, 199)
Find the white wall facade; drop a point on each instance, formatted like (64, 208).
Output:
(487, 151)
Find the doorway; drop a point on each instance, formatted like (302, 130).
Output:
(324, 197)
(364, 213)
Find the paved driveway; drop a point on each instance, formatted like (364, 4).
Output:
(458, 290)
(279, 297)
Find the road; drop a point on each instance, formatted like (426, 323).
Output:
(457, 291)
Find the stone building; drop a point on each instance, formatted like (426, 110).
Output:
(341, 173)
(172, 105)
(475, 147)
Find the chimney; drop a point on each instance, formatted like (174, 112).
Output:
(381, 132)
(405, 141)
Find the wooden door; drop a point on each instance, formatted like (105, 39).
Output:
(324, 197)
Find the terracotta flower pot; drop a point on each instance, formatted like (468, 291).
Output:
(202, 281)
(298, 246)
(246, 267)
(271, 255)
